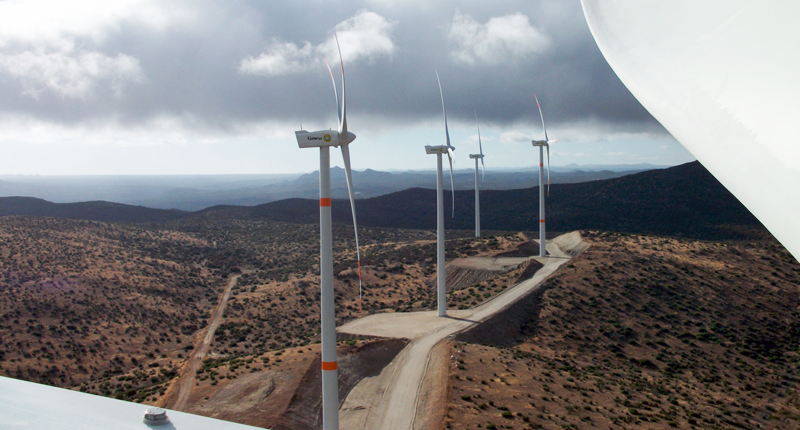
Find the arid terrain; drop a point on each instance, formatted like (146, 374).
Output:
(638, 330)
(644, 332)
(116, 309)
(104, 308)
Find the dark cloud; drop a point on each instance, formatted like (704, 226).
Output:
(191, 69)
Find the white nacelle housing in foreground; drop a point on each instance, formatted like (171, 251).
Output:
(29, 406)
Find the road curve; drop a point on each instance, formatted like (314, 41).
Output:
(389, 400)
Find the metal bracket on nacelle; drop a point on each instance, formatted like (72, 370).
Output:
(441, 149)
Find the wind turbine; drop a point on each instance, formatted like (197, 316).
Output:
(441, 286)
(477, 192)
(324, 140)
(542, 144)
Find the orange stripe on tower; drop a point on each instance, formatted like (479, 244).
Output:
(541, 165)
(329, 365)
(325, 202)
(541, 220)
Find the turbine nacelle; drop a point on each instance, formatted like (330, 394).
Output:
(440, 149)
(543, 142)
(473, 156)
(318, 139)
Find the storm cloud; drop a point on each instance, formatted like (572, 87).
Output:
(222, 69)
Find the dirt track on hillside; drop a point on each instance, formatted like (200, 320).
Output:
(183, 387)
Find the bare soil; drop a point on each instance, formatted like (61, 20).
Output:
(281, 390)
(435, 392)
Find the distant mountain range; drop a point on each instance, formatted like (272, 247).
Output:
(92, 211)
(684, 200)
(195, 192)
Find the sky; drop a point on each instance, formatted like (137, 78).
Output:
(142, 87)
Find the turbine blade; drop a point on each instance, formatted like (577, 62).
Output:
(444, 109)
(480, 147)
(335, 93)
(452, 183)
(343, 118)
(542, 116)
(548, 169)
(349, 176)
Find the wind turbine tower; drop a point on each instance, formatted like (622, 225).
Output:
(542, 144)
(476, 157)
(441, 285)
(324, 140)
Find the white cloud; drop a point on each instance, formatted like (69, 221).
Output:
(280, 58)
(160, 130)
(366, 35)
(48, 21)
(69, 72)
(38, 40)
(514, 137)
(501, 39)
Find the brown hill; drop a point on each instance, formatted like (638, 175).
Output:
(683, 201)
(115, 309)
(91, 211)
(644, 332)
(82, 301)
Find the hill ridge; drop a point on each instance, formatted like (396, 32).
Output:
(683, 200)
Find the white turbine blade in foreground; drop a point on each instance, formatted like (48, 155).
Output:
(683, 63)
(348, 174)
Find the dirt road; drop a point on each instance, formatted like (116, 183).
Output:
(389, 400)
(189, 370)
